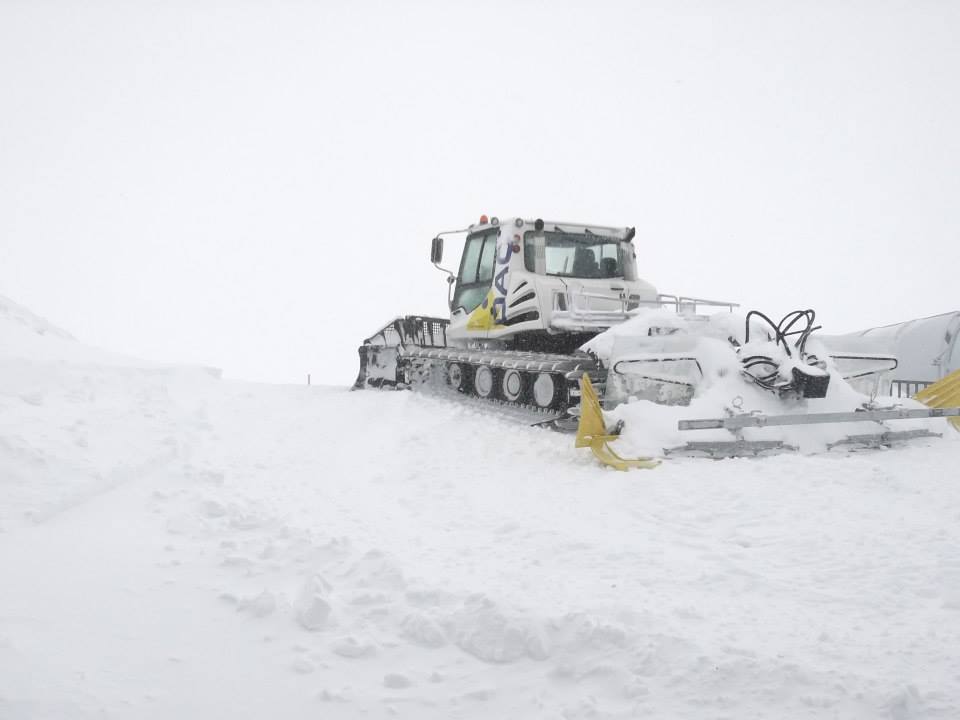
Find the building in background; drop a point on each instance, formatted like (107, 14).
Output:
(926, 349)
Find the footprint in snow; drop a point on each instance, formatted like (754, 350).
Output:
(303, 666)
(396, 681)
(351, 647)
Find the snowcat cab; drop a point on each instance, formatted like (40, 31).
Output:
(544, 286)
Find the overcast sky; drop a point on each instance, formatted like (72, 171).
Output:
(254, 185)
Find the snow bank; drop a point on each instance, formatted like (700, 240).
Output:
(76, 421)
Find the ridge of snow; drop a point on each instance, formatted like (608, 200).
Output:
(32, 342)
(12, 313)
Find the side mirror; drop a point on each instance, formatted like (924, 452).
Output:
(436, 250)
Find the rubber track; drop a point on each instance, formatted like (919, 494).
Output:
(572, 368)
(512, 412)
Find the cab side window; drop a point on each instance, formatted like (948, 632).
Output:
(488, 258)
(471, 256)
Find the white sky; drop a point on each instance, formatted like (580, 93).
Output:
(254, 185)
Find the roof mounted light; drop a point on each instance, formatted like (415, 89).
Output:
(484, 220)
(631, 232)
(494, 220)
(518, 222)
(538, 225)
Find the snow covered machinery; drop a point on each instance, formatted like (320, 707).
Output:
(544, 313)
(527, 296)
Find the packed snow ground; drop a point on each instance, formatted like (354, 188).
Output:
(175, 545)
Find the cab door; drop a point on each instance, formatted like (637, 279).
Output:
(474, 281)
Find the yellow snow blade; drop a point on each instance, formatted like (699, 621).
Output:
(592, 432)
(943, 393)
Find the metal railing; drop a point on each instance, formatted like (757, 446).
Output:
(576, 305)
(416, 330)
(908, 388)
(682, 303)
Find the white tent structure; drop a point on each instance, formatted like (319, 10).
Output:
(926, 349)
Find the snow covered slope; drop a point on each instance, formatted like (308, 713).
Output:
(175, 545)
(75, 420)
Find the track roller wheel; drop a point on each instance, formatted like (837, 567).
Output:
(484, 382)
(511, 385)
(547, 390)
(459, 377)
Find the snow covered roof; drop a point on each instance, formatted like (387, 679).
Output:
(926, 348)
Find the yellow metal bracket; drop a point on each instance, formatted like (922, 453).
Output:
(943, 393)
(592, 432)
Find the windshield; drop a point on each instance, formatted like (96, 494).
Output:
(580, 255)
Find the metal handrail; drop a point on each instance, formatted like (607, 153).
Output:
(677, 302)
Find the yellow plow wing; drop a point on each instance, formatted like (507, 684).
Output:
(592, 432)
(943, 393)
